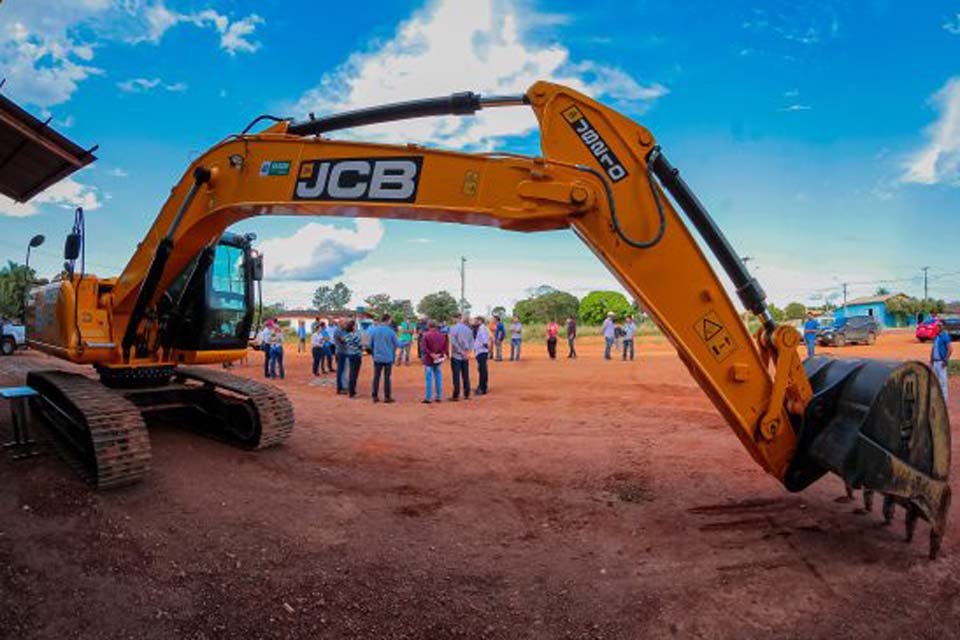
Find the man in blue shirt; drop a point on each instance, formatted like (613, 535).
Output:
(383, 346)
(499, 335)
(461, 344)
(940, 357)
(810, 329)
(629, 332)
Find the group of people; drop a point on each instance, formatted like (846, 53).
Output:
(337, 348)
(614, 335)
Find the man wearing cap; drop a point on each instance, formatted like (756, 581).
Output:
(609, 334)
(940, 356)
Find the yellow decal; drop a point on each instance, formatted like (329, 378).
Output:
(471, 183)
(306, 170)
(715, 335)
(572, 114)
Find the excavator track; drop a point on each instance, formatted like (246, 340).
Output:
(268, 407)
(99, 431)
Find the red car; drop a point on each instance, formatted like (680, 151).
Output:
(928, 330)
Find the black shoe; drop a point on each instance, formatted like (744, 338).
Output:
(426, 401)
(376, 399)
(389, 401)
(454, 398)
(437, 401)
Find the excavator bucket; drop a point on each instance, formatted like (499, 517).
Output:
(882, 427)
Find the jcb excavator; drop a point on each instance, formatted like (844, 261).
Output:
(186, 296)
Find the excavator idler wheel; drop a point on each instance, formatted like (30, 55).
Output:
(882, 427)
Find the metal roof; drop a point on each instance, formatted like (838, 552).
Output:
(32, 155)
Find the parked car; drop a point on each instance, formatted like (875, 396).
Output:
(927, 330)
(13, 336)
(952, 325)
(861, 329)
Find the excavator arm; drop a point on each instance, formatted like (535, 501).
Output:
(879, 426)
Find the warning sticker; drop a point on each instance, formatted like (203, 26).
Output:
(715, 335)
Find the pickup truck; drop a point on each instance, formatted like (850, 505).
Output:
(13, 336)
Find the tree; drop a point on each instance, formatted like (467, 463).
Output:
(882, 291)
(269, 311)
(902, 308)
(549, 305)
(499, 311)
(794, 311)
(401, 309)
(775, 312)
(327, 298)
(596, 304)
(15, 281)
(378, 304)
(440, 306)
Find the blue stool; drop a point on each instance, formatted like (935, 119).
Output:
(22, 414)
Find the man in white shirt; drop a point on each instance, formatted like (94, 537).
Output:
(609, 334)
(263, 341)
(481, 350)
(461, 343)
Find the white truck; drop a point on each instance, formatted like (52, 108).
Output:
(13, 336)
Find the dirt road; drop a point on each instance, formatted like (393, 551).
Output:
(581, 499)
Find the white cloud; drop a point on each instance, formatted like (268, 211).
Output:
(953, 26)
(40, 57)
(67, 194)
(939, 160)
(320, 251)
(451, 46)
(501, 281)
(234, 37)
(146, 85)
(796, 107)
(420, 240)
(117, 172)
(157, 19)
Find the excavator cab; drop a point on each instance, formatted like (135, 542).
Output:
(210, 306)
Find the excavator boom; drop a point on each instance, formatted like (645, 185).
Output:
(600, 174)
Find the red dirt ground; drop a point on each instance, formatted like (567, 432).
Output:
(584, 499)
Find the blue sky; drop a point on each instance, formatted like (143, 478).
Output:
(823, 136)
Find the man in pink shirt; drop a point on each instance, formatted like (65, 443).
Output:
(553, 329)
(433, 352)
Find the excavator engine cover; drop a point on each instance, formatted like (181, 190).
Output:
(881, 426)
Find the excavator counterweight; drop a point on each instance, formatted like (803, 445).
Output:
(186, 296)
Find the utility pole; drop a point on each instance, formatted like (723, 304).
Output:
(844, 298)
(924, 269)
(463, 284)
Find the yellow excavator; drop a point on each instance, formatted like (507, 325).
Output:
(186, 297)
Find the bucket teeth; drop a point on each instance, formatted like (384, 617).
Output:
(913, 514)
(882, 427)
(889, 508)
(868, 500)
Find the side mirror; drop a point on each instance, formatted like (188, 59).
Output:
(256, 268)
(71, 247)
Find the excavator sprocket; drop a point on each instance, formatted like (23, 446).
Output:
(99, 431)
(881, 426)
(252, 414)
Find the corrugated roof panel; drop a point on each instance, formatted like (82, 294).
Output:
(32, 155)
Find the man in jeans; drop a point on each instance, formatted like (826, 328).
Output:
(940, 357)
(516, 338)
(461, 344)
(383, 346)
(499, 335)
(340, 346)
(407, 328)
(572, 337)
(433, 351)
(629, 331)
(609, 335)
(481, 349)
